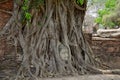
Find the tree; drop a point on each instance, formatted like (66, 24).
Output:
(50, 35)
(109, 16)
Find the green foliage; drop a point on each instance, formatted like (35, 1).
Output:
(80, 2)
(110, 24)
(26, 16)
(27, 6)
(102, 12)
(106, 16)
(98, 20)
(110, 4)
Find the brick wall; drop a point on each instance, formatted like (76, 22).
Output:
(107, 50)
(5, 8)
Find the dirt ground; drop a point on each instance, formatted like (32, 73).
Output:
(4, 17)
(87, 77)
(82, 77)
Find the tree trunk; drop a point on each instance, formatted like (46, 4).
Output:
(52, 41)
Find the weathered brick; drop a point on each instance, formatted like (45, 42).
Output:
(108, 50)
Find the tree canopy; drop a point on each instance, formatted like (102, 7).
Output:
(109, 16)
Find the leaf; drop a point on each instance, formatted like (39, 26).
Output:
(28, 16)
(80, 2)
(24, 8)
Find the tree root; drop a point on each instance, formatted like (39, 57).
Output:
(95, 70)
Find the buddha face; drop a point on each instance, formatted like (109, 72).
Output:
(64, 54)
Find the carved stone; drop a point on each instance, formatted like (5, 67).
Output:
(109, 33)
